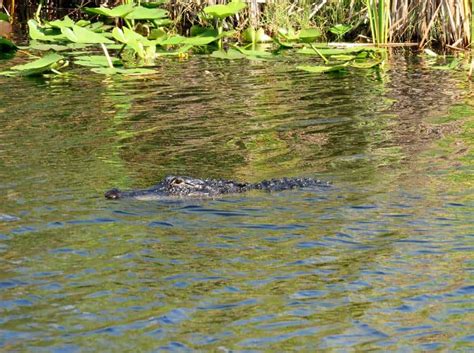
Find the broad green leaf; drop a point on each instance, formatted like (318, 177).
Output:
(289, 34)
(36, 45)
(203, 31)
(322, 69)
(40, 66)
(309, 34)
(162, 22)
(223, 11)
(143, 13)
(118, 11)
(4, 17)
(37, 33)
(65, 22)
(157, 33)
(78, 34)
(251, 35)
(95, 61)
(254, 53)
(156, 3)
(172, 40)
(84, 23)
(340, 29)
(231, 54)
(6, 45)
(200, 40)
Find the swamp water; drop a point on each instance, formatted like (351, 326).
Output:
(383, 260)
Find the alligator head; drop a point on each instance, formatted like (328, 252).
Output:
(181, 187)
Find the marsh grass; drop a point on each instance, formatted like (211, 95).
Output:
(442, 23)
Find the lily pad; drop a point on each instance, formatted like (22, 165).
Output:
(309, 34)
(95, 61)
(65, 22)
(223, 11)
(118, 11)
(231, 54)
(250, 35)
(40, 66)
(37, 45)
(143, 13)
(78, 34)
(38, 33)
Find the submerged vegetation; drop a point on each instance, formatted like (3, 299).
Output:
(131, 37)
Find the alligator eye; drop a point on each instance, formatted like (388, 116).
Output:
(177, 181)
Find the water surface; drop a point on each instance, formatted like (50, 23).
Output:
(380, 261)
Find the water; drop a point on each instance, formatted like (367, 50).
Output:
(380, 261)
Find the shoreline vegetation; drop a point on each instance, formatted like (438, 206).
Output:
(131, 35)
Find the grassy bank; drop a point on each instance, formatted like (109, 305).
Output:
(439, 23)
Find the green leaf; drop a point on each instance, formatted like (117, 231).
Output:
(223, 11)
(4, 17)
(250, 35)
(95, 61)
(143, 13)
(204, 31)
(340, 29)
(40, 66)
(200, 40)
(65, 22)
(36, 45)
(309, 34)
(231, 54)
(6, 45)
(322, 69)
(78, 34)
(254, 53)
(118, 11)
(37, 33)
(172, 40)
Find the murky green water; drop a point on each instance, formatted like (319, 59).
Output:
(381, 261)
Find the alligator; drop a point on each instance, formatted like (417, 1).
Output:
(173, 187)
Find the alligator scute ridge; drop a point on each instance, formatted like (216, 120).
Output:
(188, 187)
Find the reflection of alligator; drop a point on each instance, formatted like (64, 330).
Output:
(186, 187)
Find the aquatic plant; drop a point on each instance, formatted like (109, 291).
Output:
(220, 12)
(378, 12)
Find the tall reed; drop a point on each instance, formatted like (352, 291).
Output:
(378, 12)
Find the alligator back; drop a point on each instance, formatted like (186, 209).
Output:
(289, 183)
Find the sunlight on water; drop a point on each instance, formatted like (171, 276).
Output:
(382, 260)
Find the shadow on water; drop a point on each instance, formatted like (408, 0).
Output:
(379, 261)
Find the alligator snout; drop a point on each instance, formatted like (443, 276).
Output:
(112, 194)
